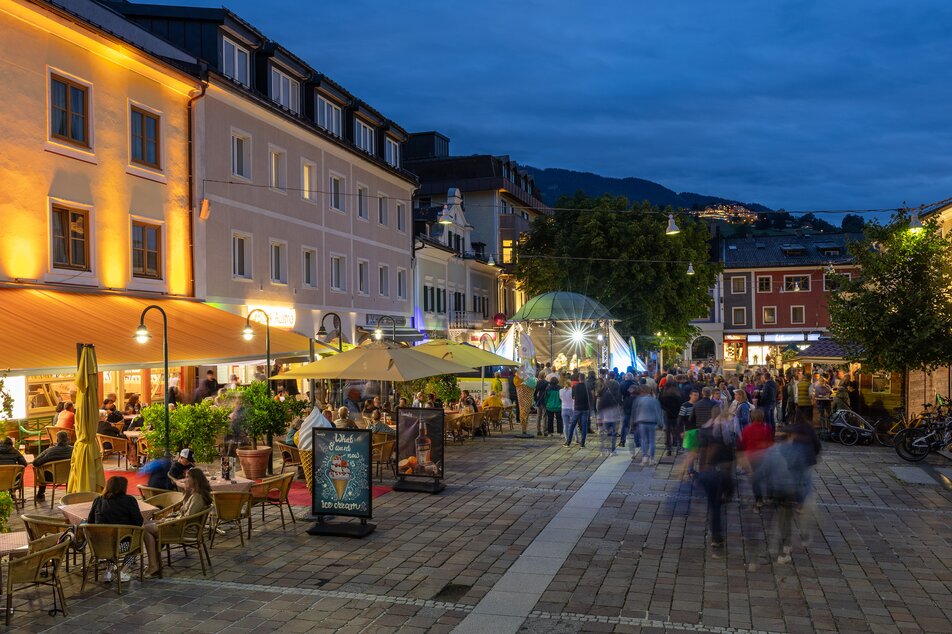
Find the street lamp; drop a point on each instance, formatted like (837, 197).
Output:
(143, 336)
(322, 332)
(378, 333)
(672, 227)
(248, 333)
(915, 225)
(690, 268)
(446, 218)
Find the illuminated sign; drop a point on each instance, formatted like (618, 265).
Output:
(280, 316)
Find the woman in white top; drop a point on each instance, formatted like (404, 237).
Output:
(568, 405)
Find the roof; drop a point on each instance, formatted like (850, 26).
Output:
(824, 349)
(788, 250)
(562, 306)
(479, 172)
(39, 330)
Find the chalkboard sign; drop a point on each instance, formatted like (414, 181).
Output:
(342, 473)
(420, 434)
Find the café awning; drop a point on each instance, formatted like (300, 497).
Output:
(39, 330)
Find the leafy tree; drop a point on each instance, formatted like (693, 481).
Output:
(852, 223)
(618, 254)
(898, 313)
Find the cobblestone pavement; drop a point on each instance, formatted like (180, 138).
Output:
(611, 546)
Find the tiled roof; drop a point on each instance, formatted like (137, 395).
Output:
(824, 348)
(789, 250)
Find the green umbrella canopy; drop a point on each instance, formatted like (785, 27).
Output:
(562, 306)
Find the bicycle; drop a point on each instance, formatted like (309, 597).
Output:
(848, 427)
(915, 443)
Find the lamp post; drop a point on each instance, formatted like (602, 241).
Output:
(143, 336)
(322, 332)
(601, 349)
(378, 332)
(248, 333)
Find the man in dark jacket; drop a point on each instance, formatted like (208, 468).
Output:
(62, 450)
(768, 401)
(582, 406)
(9, 453)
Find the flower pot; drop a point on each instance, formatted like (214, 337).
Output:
(254, 462)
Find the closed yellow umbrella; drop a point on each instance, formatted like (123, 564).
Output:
(85, 471)
(463, 353)
(376, 362)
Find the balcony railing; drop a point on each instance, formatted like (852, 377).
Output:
(464, 319)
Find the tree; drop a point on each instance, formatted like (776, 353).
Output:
(618, 254)
(897, 314)
(852, 223)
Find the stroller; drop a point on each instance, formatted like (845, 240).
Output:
(849, 428)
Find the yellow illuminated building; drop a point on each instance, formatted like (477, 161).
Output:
(95, 167)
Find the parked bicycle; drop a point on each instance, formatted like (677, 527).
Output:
(915, 443)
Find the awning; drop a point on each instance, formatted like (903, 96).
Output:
(404, 334)
(39, 330)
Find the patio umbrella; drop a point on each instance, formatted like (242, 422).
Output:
(85, 471)
(376, 362)
(463, 353)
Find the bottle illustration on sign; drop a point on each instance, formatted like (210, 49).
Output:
(423, 445)
(339, 474)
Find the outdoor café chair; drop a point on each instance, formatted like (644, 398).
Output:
(188, 531)
(290, 456)
(272, 491)
(381, 453)
(142, 449)
(11, 479)
(52, 430)
(231, 506)
(40, 567)
(39, 526)
(492, 417)
(149, 492)
(167, 502)
(79, 497)
(58, 472)
(112, 445)
(112, 543)
(509, 416)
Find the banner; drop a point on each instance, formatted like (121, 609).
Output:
(342, 472)
(420, 434)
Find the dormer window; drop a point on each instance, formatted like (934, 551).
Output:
(363, 136)
(235, 61)
(829, 250)
(328, 115)
(391, 152)
(285, 91)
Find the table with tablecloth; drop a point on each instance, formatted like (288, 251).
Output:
(76, 513)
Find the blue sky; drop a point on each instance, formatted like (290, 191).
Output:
(842, 104)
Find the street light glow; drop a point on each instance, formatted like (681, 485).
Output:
(578, 335)
(248, 333)
(672, 227)
(378, 334)
(142, 334)
(915, 225)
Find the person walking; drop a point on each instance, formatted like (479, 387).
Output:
(755, 439)
(581, 404)
(647, 414)
(568, 408)
(716, 472)
(671, 405)
(768, 401)
(553, 408)
(609, 414)
(783, 471)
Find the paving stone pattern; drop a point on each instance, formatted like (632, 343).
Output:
(871, 555)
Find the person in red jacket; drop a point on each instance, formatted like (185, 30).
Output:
(755, 439)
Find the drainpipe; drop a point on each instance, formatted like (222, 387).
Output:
(191, 177)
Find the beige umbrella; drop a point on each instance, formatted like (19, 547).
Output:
(463, 353)
(376, 362)
(86, 471)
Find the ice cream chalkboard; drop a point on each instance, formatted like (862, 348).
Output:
(342, 472)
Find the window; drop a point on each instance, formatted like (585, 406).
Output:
(770, 314)
(338, 282)
(69, 111)
(241, 256)
(310, 268)
(507, 252)
(383, 213)
(401, 283)
(70, 228)
(363, 136)
(285, 91)
(362, 203)
(234, 61)
(279, 267)
(881, 382)
(441, 301)
(764, 283)
(830, 284)
(796, 283)
(384, 281)
(427, 300)
(391, 152)
(328, 116)
(146, 250)
(363, 277)
(144, 133)
(739, 316)
(797, 314)
(308, 180)
(278, 169)
(335, 193)
(401, 217)
(241, 155)
(738, 285)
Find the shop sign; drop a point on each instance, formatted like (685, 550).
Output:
(373, 320)
(280, 316)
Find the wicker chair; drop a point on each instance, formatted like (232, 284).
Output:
(167, 502)
(149, 492)
(79, 497)
(381, 453)
(112, 445)
(52, 430)
(58, 476)
(272, 491)
(11, 479)
(290, 456)
(38, 526)
(184, 531)
(508, 416)
(231, 506)
(39, 568)
(492, 417)
(113, 543)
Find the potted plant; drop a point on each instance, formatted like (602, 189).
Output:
(196, 426)
(6, 508)
(262, 417)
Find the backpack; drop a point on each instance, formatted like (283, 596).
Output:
(608, 398)
(553, 401)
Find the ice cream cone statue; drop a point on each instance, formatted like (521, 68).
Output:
(339, 474)
(307, 458)
(524, 393)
